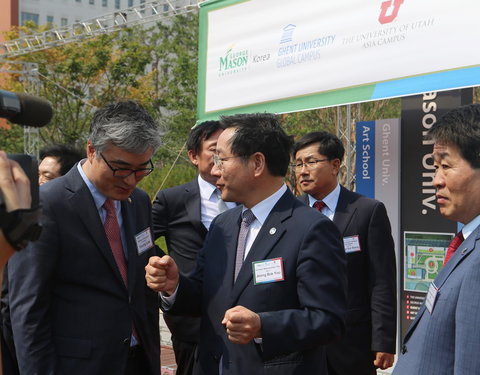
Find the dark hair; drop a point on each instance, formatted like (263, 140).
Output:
(460, 127)
(126, 125)
(66, 156)
(330, 145)
(260, 132)
(200, 133)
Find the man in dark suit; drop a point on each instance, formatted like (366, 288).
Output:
(444, 337)
(270, 280)
(77, 297)
(369, 341)
(183, 215)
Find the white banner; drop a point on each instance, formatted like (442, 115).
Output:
(265, 51)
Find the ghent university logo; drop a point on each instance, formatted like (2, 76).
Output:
(389, 11)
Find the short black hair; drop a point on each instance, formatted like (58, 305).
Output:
(460, 127)
(330, 145)
(66, 156)
(260, 132)
(199, 133)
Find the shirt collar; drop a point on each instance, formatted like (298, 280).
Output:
(206, 188)
(98, 197)
(262, 210)
(331, 200)
(470, 227)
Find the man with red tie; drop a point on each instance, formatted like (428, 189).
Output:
(77, 297)
(444, 337)
(369, 341)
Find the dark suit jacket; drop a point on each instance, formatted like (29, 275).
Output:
(371, 319)
(446, 341)
(71, 312)
(177, 217)
(298, 315)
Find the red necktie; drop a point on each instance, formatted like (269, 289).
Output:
(318, 205)
(112, 231)
(456, 241)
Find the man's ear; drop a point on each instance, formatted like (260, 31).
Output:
(336, 164)
(259, 163)
(192, 155)
(90, 152)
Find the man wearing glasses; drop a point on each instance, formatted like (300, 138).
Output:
(369, 342)
(77, 296)
(270, 281)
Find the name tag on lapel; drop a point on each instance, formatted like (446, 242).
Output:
(432, 296)
(144, 241)
(351, 244)
(268, 271)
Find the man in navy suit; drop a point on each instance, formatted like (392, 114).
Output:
(77, 297)
(369, 341)
(270, 280)
(183, 214)
(444, 337)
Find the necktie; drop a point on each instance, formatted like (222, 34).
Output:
(222, 206)
(456, 241)
(112, 231)
(318, 205)
(247, 218)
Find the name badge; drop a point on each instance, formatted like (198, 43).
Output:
(432, 296)
(144, 241)
(268, 271)
(351, 244)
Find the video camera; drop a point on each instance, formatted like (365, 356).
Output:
(21, 226)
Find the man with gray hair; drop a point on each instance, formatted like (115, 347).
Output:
(77, 297)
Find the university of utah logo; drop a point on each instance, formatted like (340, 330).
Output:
(392, 7)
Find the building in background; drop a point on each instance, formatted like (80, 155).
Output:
(57, 12)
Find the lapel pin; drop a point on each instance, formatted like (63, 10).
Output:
(129, 200)
(272, 230)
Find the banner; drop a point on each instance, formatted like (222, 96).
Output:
(282, 56)
(425, 233)
(377, 167)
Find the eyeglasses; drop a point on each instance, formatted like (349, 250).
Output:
(125, 172)
(311, 164)
(218, 161)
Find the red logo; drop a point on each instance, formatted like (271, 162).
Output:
(393, 6)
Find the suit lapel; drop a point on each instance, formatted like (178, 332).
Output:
(82, 202)
(272, 230)
(193, 206)
(343, 213)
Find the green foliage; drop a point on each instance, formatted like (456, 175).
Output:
(11, 140)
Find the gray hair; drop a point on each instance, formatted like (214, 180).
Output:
(126, 125)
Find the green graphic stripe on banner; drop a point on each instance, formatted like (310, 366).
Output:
(301, 103)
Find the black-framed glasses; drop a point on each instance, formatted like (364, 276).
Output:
(310, 164)
(218, 161)
(125, 172)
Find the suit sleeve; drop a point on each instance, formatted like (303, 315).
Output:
(31, 276)
(382, 281)
(160, 215)
(321, 289)
(467, 323)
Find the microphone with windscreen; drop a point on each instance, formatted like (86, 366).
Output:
(25, 109)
